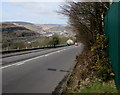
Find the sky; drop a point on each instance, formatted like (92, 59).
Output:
(34, 12)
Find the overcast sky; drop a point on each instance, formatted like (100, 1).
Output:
(34, 12)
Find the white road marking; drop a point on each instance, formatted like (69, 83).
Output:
(7, 66)
(23, 62)
(19, 63)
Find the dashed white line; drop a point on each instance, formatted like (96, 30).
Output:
(23, 62)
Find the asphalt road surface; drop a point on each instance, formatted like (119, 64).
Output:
(38, 72)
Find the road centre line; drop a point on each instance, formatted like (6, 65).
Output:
(23, 62)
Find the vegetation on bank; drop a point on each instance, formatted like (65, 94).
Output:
(31, 42)
(93, 68)
(93, 71)
(99, 87)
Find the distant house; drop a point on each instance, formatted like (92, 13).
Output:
(69, 41)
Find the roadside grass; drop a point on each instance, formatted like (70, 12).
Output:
(99, 87)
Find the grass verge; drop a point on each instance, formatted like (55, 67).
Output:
(99, 87)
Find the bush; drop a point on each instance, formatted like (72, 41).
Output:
(17, 45)
(55, 40)
(102, 66)
(92, 65)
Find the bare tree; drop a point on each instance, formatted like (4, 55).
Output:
(86, 18)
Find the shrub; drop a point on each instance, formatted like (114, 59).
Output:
(55, 40)
(102, 66)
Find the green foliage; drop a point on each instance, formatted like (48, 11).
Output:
(55, 40)
(99, 87)
(17, 45)
(101, 65)
(63, 40)
(6, 43)
(22, 42)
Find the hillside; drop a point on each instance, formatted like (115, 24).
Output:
(56, 29)
(15, 36)
(30, 26)
(27, 35)
(12, 30)
(60, 28)
(18, 29)
(45, 27)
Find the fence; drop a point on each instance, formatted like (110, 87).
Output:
(112, 30)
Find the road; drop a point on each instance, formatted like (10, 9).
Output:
(40, 73)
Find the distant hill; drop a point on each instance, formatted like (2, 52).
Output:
(39, 29)
(54, 27)
(20, 22)
(12, 30)
(59, 28)
(45, 27)
(30, 26)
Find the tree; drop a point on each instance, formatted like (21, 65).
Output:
(86, 19)
(55, 41)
